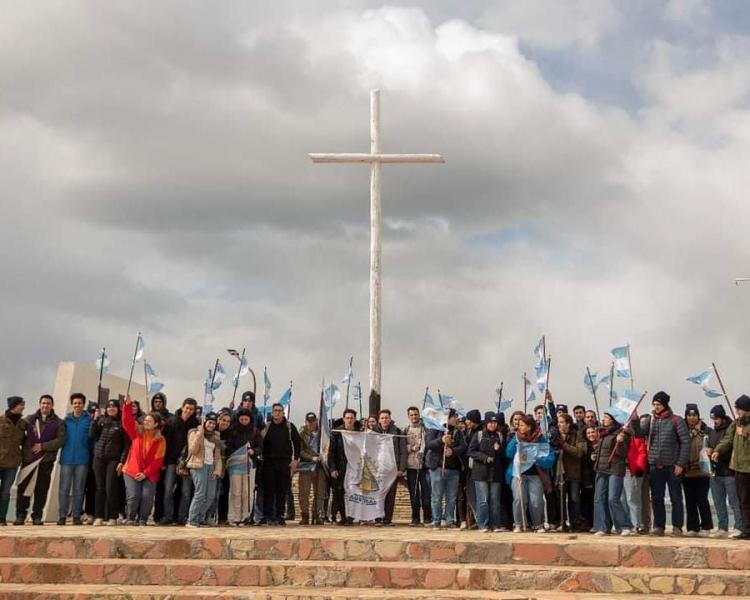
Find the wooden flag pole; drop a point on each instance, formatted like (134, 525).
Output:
(132, 365)
(349, 380)
(525, 395)
(500, 396)
(101, 375)
(611, 382)
(723, 391)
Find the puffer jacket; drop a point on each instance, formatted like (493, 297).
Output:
(110, 440)
(11, 440)
(697, 436)
(667, 439)
(736, 443)
(196, 450)
(611, 456)
(637, 458)
(482, 448)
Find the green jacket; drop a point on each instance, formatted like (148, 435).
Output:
(11, 441)
(738, 444)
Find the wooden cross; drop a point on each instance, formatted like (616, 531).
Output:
(375, 158)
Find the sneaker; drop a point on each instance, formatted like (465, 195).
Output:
(415, 524)
(3, 522)
(39, 522)
(485, 530)
(77, 522)
(163, 522)
(464, 525)
(501, 530)
(600, 533)
(516, 530)
(111, 522)
(436, 525)
(690, 534)
(676, 531)
(19, 522)
(704, 533)
(192, 526)
(626, 532)
(657, 532)
(740, 535)
(540, 530)
(736, 534)
(59, 521)
(98, 522)
(720, 534)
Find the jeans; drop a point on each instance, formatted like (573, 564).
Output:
(697, 508)
(203, 497)
(72, 476)
(608, 506)
(139, 498)
(632, 491)
(724, 489)
(171, 480)
(7, 477)
(444, 487)
(663, 478)
(532, 500)
(487, 494)
(419, 494)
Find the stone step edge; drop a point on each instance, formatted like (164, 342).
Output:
(291, 593)
(338, 564)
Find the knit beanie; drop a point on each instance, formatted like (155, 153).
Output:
(662, 398)
(14, 401)
(718, 412)
(692, 408)
(743, 402)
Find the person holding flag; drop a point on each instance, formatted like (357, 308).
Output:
(696, 482)
(244, 452)
(337, 464)
(529, 459)
(723, 484)
(610, 457)
(248, 402)
(417, 475)
(311, 472)
(386, 425)
(445, 450)
(281, 449)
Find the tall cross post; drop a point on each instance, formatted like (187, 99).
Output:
(375, 158)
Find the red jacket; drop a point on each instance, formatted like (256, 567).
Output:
(637, 456)
(146, 451)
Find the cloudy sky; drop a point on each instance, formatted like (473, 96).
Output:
(153, 159)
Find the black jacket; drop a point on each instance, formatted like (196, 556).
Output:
(336, 454)
(282, 441)
(611, 456)
(433, 443)
(175, 433)
(237, 436)
(482, 448)
(112, 443)
(715, 436)
(400, 449)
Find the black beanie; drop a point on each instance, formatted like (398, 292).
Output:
(692, 408)
(474, 416)
(14, 401)
(743, 402)
(662, 398)
(718, 412)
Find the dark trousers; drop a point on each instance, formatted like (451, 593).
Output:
(572, 504)
(224, 498)
(552, 500)
(390, 503)
(663, 478)
(159, 498)
(338, 503)
(697, 508)
(89, 500)
(743, 493)
(277, 479)
(419, 494)
(44, 474)
(587, 505)
(107, 502)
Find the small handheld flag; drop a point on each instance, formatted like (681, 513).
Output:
(102, 362)
(703, 379)
(622, 361)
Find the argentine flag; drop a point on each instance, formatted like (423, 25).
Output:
(622, 361)
(102, 363)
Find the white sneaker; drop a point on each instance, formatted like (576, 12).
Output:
(735, 534)
(600, 533)
(463, 525)
(703, 533)
(691, 534)
(516, 530)
(626, 532)
(191, 526)
(501, 530)
(97, 522)
(111, 522)
(540, 530)
(720, 534)
(485, 530)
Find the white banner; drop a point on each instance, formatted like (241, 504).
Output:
(370, 473)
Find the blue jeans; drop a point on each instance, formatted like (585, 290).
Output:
(632, 492)
(205, 490)
(139, 498)
(488, 504)
(662, 479)
(608, 508)
(7, 477)
(171, 480)
(75, 476)
(533, 500)
(444, 487)
(724, 489)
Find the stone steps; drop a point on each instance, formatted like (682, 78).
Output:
(384, 575)
(141, 592)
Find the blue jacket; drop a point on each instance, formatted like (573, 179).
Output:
(510, 453)
(77, 447)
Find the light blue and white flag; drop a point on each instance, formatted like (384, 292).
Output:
(285, 398)
(434, 417)
(430, 401)
(139, 347)
(624, 404)
(592, 384)
(704, 380)
(331, 397)
(504, 405)
(622, 361)
(527, 453)
(356, 393)
(154, 385)
(541, 376)
(450, 402)
(102, 363)
(348, 377)
(266, 380)
(539, 349)
(241, 372)
(219, 377)
(530, 394)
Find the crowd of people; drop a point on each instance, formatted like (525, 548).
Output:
(121, 465)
